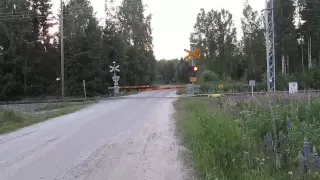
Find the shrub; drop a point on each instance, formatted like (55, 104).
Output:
(208, 76)
(10, 115)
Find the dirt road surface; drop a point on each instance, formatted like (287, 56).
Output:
(124, 139)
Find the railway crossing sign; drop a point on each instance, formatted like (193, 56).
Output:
(293, 87)
(114, 68)
(192, 53)
(115, 78)
(252, 83)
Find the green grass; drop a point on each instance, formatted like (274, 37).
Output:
(181, 91)
(129, 92)
(11, 120)
(210, 87)
(227, 138)
(52, 106)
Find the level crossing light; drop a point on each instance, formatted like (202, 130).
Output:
(193, 70)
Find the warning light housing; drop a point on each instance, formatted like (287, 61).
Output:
(193, 70)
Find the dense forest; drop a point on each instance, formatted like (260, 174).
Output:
(297, 37)
(30, 54)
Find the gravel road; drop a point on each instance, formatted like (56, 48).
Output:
(125, 139)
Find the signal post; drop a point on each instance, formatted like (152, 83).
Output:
(193, 69)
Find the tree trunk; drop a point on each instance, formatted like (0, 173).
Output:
(309, 53)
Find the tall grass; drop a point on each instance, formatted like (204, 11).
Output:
(53, 106)
(181, 91)
(11, 116)
(267, 138)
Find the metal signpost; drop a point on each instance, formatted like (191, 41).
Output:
(84, 89)
(190, 90)
(115, 78)
(193, 64)
(252, 83)
(192, 54)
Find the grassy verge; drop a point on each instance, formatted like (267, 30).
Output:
(209, 87)
(267, 138)
(181, 91)
(129, 92)
(53, 106)
(11, 120)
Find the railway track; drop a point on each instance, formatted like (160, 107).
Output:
(144, 97)
(43, 101)
(260, 93)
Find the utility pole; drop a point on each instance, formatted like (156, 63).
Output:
(270, 45)
(62, 51)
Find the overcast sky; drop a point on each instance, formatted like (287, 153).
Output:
(173, 20)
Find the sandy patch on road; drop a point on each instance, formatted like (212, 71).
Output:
(150, 151)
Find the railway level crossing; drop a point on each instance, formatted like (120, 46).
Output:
(163, 88)
(193, 69)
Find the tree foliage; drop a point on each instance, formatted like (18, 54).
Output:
(30, 56)
(296, 43)
(172, 71)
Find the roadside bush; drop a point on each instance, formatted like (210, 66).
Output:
(181, 91)
(10, 115)
(209, 76)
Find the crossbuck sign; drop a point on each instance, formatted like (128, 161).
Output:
(114, 68)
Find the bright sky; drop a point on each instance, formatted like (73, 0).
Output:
(173, 20)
